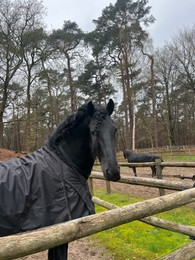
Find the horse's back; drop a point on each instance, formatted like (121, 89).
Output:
(40, 190)
(138, 158)
(31, 193)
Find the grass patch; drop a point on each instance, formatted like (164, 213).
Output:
(137, 240)
(179, 158)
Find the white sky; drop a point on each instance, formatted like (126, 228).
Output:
(171, 15)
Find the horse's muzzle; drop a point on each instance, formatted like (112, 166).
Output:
(113, 174)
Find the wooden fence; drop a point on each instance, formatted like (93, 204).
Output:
(159, 172)
(32, 242)
(187, 252)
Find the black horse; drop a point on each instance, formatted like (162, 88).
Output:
(49, 186)
(140, 158)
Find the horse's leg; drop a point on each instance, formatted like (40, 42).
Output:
(134, 170)
(58, 253)
(153, 171)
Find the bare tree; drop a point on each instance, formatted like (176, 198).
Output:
(17, 18)
(183, 47)
(153, 90)
(167, 76)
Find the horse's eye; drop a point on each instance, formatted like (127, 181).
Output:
(116, 129)
(93, 132)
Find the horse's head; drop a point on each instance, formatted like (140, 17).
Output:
(103, 131)
(125, 153)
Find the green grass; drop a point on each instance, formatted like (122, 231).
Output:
(137, 240)
(179, 158)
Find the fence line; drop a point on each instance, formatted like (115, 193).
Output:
(162, 164)
(187, 252)
(155, 183)
(31, 242)
(159, 170)
(157, 222)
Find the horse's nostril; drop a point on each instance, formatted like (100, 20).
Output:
(113, 175)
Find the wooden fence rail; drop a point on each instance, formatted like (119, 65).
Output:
(184, 253)
(156, 183)
(162, 164)
(159, 171)
(31, 242)
(157, 222)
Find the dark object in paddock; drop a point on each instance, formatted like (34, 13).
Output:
(140, 158)
(187, 177)
(49, 186)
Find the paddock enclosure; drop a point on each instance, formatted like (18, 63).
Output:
(182, 193)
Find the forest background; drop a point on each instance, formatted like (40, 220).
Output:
(46, 75)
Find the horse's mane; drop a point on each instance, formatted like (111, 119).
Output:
(64, 128)
(74, 120)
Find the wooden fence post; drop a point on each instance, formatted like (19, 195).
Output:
(108, 187)
(90, 182)
(159, 174)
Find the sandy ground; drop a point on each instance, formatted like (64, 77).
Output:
(82, 249)
(87, 248)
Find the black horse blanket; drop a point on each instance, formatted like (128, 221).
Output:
(145, 157)
(39, 190)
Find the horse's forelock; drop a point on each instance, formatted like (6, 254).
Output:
(99, 116)
(97, 119)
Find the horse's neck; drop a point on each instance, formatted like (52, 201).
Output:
(76, 150)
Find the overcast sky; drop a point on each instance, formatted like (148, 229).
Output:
(171, 15)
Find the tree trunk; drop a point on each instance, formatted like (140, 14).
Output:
(1, 129)
(130, 96)
(28, 117)
(2, 110)
(154, 114)
(153, 88)
(72, 87)
(51, 106)
(170, 117)
(127, 135)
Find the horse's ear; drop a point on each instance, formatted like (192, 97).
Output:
(90, 109)
(110, 106)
